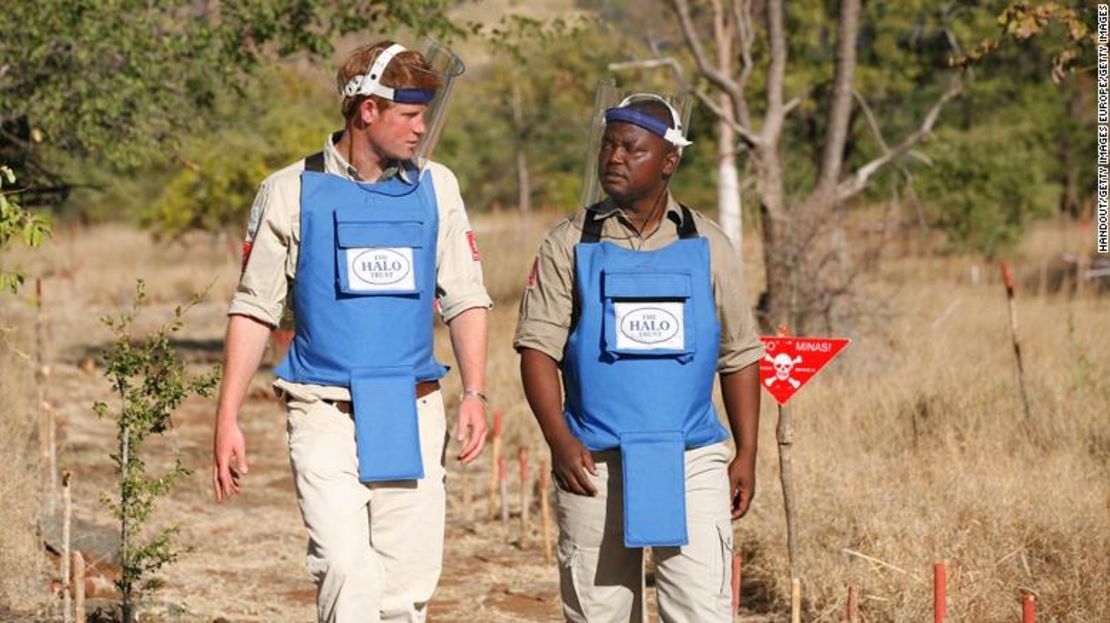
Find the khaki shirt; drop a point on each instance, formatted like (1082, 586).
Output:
(546, 308)
(273, 242)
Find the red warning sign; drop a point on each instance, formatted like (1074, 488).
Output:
(791, 362)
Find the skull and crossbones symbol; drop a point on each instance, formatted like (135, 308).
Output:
(783, 365)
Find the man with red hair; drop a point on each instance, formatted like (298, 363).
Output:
(368, 237)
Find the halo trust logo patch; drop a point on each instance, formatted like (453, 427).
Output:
(649, 326)
(380, 269)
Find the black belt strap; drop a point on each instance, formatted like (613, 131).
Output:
(687, 228)
(591, 228)
(315, 162)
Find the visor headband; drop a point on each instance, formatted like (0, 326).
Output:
(370, 83)
(621, 113)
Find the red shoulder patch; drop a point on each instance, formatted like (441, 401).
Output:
(473, 246)
(246, 253)
(533, 275)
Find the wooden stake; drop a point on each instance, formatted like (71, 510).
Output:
(503, 488)
(736, 587)
(495, 459)
(78, 587)
(1028, 608)
(525, 493)
(64, 561)
(46, 414)
(1008, 279)
(545, 512)
(940, 592)
(785, 437)
(795, 600)
(853, 603)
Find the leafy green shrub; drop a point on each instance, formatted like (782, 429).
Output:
(151, 381)
(15, 222)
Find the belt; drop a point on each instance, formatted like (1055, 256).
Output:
(423, 388)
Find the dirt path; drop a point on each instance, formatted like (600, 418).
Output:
(246, 558)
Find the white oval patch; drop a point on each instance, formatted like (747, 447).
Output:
(649, 325)
(381, 267)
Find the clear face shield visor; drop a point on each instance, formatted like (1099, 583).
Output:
(442, 62)
(610, 107)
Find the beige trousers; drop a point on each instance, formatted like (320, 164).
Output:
(375, 551)
(602, 581)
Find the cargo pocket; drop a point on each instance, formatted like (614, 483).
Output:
(570, 581)
(382, 255)
(724, 533)
(648, 315)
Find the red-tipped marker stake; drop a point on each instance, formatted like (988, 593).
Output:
(545, 512)
(1008, 280)
(503, 478)
(853, 603)
(940, 592)
(1028, 608)
(525, 491)
(495, 458)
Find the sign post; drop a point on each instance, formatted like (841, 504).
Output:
(789, 364)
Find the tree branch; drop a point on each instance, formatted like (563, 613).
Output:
(742, 16)
(703, 97)
(705, 68)
(840, 108)
(859, 180)
(776, 73)
(870, 115)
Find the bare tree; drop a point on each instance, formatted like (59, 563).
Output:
(789, 229)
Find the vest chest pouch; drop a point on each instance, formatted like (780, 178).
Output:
(648, 314)
(379, 254)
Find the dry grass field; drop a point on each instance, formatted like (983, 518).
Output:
(909, 449)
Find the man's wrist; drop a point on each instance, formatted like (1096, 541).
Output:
(474, 393)
(558, 436)
(746, 451)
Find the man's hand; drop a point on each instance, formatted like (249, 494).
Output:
(228, 443)
(471, 429)
(570, 460)
(741, 484)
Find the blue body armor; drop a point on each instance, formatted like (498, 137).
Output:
(639, 368)
(364, 299)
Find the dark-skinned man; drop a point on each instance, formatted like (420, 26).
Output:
(640, 303)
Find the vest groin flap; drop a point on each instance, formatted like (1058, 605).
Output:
(387, 434)
(654, 473)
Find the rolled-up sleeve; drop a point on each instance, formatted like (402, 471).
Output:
(740, 344)
(263, 284)
(543, 323)
(459, 284)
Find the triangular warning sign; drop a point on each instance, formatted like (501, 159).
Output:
(791, 362)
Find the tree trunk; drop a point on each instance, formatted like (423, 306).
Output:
(728, 178)
(728, 185)
(774, 303)
(523, 184)
(127, 612)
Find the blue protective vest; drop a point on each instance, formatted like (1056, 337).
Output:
(639, 367)
(363, 298)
